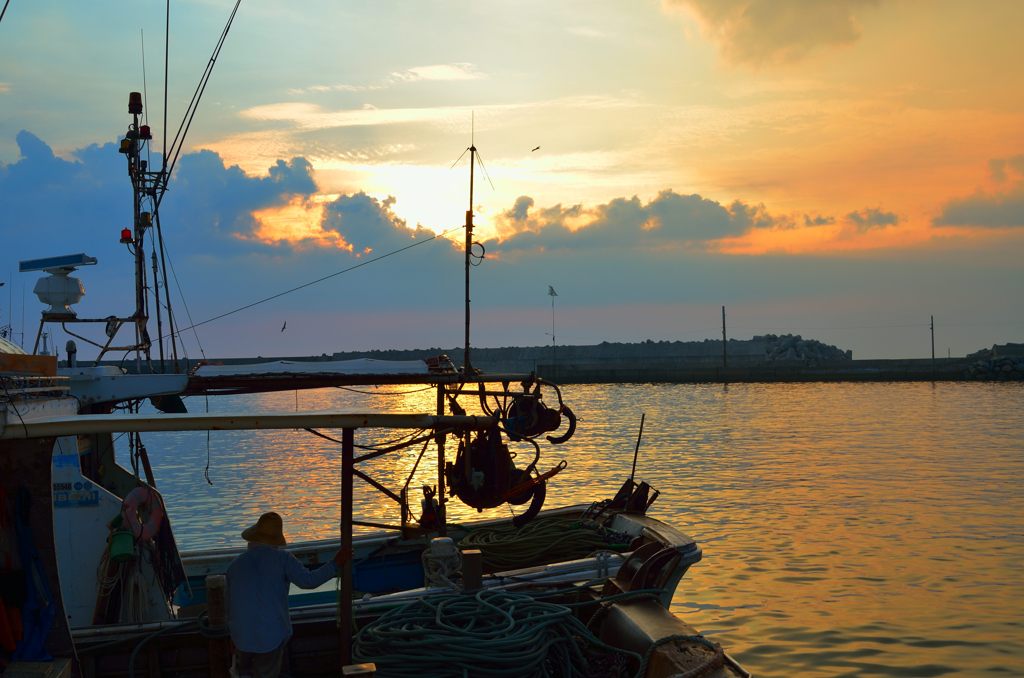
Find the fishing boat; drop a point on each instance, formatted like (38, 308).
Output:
(106, 589)
(145, 616)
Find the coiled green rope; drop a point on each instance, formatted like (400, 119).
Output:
(544, 540)
(492, 634)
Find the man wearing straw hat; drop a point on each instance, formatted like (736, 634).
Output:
(258, 583)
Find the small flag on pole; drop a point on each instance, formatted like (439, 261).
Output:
(552, 292)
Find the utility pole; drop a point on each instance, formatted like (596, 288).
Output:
(725, 355)
(552, 293)
(931, 326)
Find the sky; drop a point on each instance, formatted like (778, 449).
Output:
(843, 170)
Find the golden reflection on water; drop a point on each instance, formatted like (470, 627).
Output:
(847, 529)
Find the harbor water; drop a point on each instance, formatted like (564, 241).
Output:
(848, 529)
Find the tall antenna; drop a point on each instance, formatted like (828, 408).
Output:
(466, 365)
(474, 158)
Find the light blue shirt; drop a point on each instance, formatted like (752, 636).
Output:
(258, 595)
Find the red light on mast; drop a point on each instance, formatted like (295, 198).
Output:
(135, 103)
(126, 235)
(145, 133)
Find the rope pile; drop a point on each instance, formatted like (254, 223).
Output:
(544, 540)
(123, 586)
(491, 634)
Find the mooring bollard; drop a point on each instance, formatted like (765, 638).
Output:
(472, 569)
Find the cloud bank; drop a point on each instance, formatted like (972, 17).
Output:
(235, 238)
(671, 219)
(1000, 209)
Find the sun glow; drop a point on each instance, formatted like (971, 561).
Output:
(840, 237)
(298, 222)
(428, 196)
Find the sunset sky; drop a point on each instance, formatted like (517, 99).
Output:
(841, 170)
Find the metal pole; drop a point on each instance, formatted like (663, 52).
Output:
(636, 450)
(442, 523)
(931, 325)
(35, 346)
(345, 572)
(159, 321)
(725, 357)
(134, 172)
(553, 361)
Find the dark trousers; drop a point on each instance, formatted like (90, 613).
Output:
(258, 664)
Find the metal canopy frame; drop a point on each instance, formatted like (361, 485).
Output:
(138, 423)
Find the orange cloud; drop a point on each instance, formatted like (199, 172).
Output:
(298, 223)
(836, 238)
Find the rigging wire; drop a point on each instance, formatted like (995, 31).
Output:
(385, 393)
(312, 282)
(187, 312)
(193, 107)
(4, 10)
(167, 51)
(167, 291)
(480, 159)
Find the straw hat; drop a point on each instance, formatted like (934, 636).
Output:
(267, 530)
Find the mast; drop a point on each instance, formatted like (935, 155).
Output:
(131, 146)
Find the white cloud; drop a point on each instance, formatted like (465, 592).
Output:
(439, 72)
(432, 73)
(309, 116)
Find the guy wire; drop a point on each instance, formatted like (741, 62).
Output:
(312, 282)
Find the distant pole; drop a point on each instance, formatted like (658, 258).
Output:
(725, 356)
(931, 325)
(552, 293)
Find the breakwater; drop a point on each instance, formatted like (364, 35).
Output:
(770, 358)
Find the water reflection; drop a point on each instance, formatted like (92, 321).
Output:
(848, 529)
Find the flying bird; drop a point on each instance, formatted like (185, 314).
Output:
(535, 148)
(284, 326)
